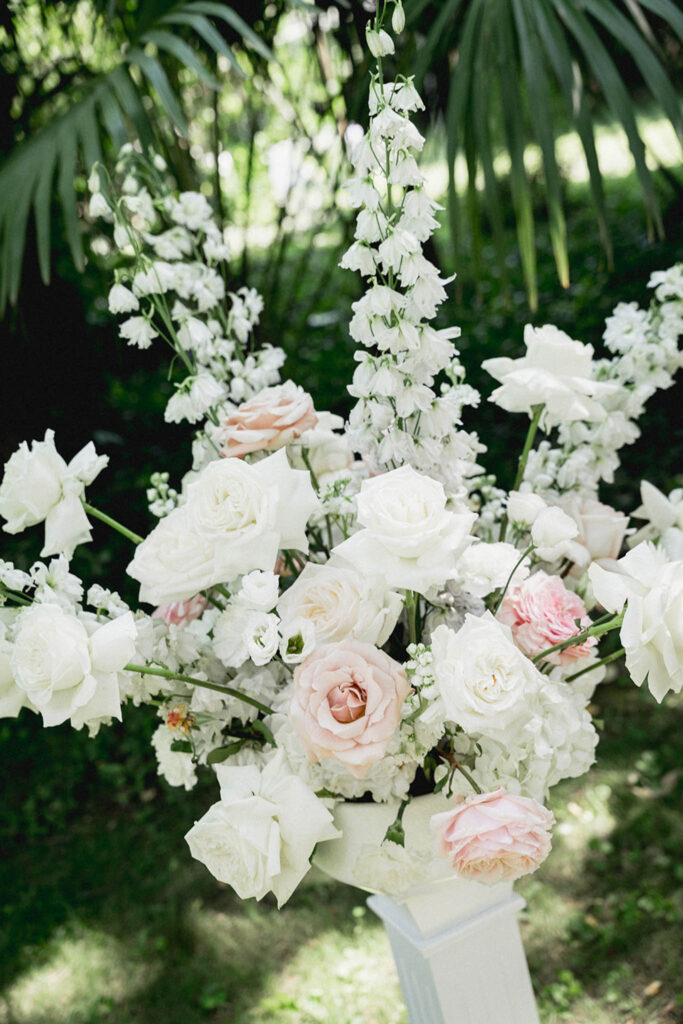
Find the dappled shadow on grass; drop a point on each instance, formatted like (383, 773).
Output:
(605, 909)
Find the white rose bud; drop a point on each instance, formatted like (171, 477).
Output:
(398, 19)
(380, 43)
(552, 533)
(524, 507)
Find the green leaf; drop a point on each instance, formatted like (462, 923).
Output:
(233, 19)
(181, 51)
(156, 76)
(437, 36)
(260, 726)
(221, 754)
(203, 27)
(668, 11)
(41, 210)
(128, 96)
(181, 746)
(65, 188)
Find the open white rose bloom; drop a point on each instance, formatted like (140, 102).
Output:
(354, 611)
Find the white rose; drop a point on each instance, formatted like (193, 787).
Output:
(552, 533)
(485, 682)
(410, 538)
(12, 698)
(652, 630)
(524, 507)
(66, 673)
(556, 372)
(341, 603)
(236, 518)
(482, 568)
(39, 485)
(258, 838)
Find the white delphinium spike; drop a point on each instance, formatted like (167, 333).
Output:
(401, 416)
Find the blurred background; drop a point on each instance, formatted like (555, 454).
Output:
(553, 131)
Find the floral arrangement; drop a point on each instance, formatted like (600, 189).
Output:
(353, 612)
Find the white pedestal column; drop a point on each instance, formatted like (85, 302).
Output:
(459, 962)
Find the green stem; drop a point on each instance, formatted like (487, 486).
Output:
(509, 579)
(596, 664)
(14, 595)
(468, 776)
(528, 444)
(597, 629)
(411, 608)
(91, 510)
(164, 673)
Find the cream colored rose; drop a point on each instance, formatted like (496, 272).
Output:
(346, 703)
(268, 421)
(601, 531)
(341, 604)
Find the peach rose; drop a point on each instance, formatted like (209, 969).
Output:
(542, 612)
(493, 837)
(268, 421)
(181, 613)
(347, 702)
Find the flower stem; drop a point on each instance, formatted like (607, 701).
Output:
(468, 776)
(523, 459)
(596, 664)
(91, 510)
(13, 595)
(151, 670)
(597, 629)
(411, 608)
(509, 579)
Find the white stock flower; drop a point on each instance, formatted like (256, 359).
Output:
(258, 838)
(410, 538)
(557, 372)
(176, 766)
(552, 532)
(66, 673)
(39, 485)
(194, 398)
(341, 603)
(652, 630)
(235, 519)
(485, 682)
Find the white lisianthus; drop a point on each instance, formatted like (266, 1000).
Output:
(483, 568)
(298, 640)
(122, 300)
(557, 372)
(39, 485)
(524, 507)
(552, 533)
(259, 590)
(485, 682)
(262, 638)
(230, 634)
(235, 519)
(664, 517)
(410, 538)
(341, 603)
(258, 838)
(652, 630)
(66, 673)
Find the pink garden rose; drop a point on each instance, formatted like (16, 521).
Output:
(268, 421)
(347, 703)
(493, 837)
(542, 612)
(181, 613)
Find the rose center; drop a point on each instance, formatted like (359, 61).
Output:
(347, 701)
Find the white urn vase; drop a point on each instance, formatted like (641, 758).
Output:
(456, 943)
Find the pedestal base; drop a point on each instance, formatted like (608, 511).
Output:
(471, 970)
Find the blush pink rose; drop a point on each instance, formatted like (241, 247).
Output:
(347, 702)
(181, 613)
(268, 421)
(493, 837)
(542, 612)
